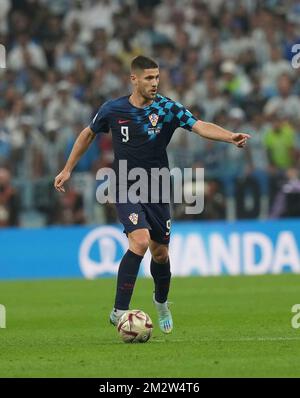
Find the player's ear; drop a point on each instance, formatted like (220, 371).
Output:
(133, 78)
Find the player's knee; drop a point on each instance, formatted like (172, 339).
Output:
(139, 242)
(161, 256)
(140, 245)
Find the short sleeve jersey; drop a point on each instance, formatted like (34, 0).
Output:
(141, 135)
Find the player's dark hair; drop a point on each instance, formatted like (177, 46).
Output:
(140, 63)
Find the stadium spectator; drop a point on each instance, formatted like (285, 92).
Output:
(26, 53)
(27, 154)
(5, 6)
(65, 109)
(236, 162)
(53, 147)
(5, 142)
(256, 152)
(279, 141)
(273, 69)
(67, 209)
(287, 201)
(9, 202)
(286, 103)
(234, 82)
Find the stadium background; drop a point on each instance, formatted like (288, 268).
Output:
(229, 62)
(64, 59)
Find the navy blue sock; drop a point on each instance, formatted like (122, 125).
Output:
(162, 278)
(127, 274)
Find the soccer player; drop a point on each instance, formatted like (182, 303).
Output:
(142, 125)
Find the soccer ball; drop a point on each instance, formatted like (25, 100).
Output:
(135, 326)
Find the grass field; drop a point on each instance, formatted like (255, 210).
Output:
(224, 327)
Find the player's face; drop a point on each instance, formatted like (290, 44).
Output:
(146, 82)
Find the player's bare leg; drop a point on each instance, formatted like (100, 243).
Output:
(128, 271)
(160, 271)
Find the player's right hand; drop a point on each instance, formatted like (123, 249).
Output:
(60, 179)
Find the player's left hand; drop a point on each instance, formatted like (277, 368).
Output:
(240, 139)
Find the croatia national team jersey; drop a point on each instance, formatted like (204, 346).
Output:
(141, 135)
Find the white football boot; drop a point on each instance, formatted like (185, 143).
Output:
(115, 316)
(164, 316)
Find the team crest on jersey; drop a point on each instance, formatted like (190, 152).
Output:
(134, 218)
(153, 119)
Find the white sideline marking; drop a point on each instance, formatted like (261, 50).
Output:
(216, 340)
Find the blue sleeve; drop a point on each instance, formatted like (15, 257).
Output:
(183, 117)
(100, 123)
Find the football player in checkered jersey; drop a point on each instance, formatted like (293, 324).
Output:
(142, 125)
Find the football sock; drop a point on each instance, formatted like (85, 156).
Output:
(127, 274)
(162, 277)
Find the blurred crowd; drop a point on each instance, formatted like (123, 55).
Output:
(229, 62)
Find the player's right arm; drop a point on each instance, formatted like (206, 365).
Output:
(80, 146)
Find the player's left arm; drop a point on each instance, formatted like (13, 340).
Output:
(217, 133)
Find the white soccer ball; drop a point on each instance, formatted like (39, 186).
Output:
(135, 326)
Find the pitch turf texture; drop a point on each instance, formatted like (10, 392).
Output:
(224, 327)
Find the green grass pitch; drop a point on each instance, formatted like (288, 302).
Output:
(224, 327)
